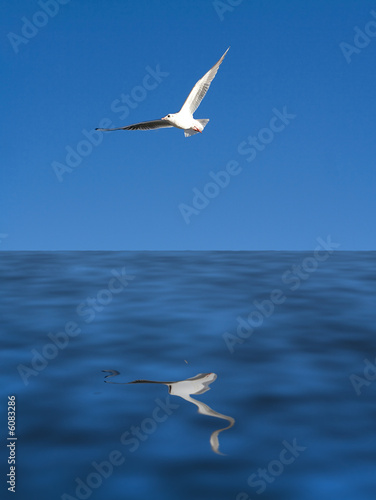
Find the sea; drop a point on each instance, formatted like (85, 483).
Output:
(188, 375)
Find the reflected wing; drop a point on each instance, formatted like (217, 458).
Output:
(199, 90)
(151, 125)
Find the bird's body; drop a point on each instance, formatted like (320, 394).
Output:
(186, 122)
(184, 118)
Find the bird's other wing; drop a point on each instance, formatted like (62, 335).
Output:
(199, 90)
(151, 125)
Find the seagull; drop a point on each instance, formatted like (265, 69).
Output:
(184, 118)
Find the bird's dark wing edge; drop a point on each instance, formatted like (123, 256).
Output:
(150, 125)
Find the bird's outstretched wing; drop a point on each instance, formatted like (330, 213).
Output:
(153, 124)
(199, 90)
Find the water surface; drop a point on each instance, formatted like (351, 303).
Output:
(297, 378)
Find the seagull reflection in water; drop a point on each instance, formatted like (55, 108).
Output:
(184, 389)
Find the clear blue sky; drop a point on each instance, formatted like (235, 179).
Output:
(312, 176)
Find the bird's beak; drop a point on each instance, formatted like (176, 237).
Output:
(163, 118)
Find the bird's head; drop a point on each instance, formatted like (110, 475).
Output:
(169, 117)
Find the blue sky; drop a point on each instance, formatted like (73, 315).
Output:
(67, 66)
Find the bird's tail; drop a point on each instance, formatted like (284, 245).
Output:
(203, 122)
(191, 131)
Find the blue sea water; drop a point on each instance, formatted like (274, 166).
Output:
(289, 335)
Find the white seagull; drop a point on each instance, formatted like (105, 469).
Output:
(184, 118)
